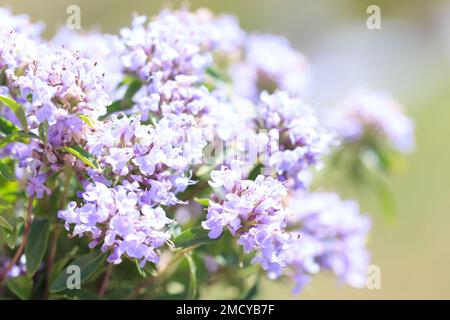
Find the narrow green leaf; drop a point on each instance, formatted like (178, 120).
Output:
(20, 286)
(18, 111)
(43, 131)
(253, 291)
(193, 286)
(10, 237)
(5, 224)
(255, 172)
(193, 236)
(133, 88)
(83, 155)
(87, 120)
(7, 127)
(88, 265)
(18, 136)
(36, 244)
(203, 201)
(6, 172)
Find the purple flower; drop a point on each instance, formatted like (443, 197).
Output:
(251, 211)
(120, 219)
(330, 235)
(35, 186)
(366, 113)
(296, 139)
(264, 70)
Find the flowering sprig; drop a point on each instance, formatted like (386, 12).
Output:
(110, 134)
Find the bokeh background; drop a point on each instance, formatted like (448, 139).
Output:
(409, 57)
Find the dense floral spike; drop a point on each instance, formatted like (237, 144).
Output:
(251, 211)
(330, 234)
(368, 114)
(270, 63)
(121, 219)
(156, 156)
(296, 138)
(59, 83)
(98, 47)
(170, 55)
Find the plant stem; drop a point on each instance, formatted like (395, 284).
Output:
(56, 232)
(105, 281)
(22, 245)
(51, 259)
(150, 281)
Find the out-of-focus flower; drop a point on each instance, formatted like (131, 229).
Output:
(373, 115)
(270, 64)
(19, 269)
(329, 234)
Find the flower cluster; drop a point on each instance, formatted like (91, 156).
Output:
(329, 234)
(366, 114)
(156, 156)
(270, 63)
(170, 55)
(251, 210)
(95, 46)
(296, 138)
(122, 219)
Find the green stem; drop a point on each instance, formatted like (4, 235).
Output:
(19, 251)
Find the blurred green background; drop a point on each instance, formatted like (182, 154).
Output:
(409, 57)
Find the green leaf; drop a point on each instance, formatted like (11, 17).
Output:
(5, 224)
(43, 131)
(193, 286)
(253, 291)
(79, 294)
(88, 265)
(193, 236)
(7, 127)
(10, 237)
(134, 85)
(60, 264)
(203, 201)
(18, 111)
(20, 286)
(87, 120)
(36, 244)
(83, 155)
(18, 136)
(6, 172)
